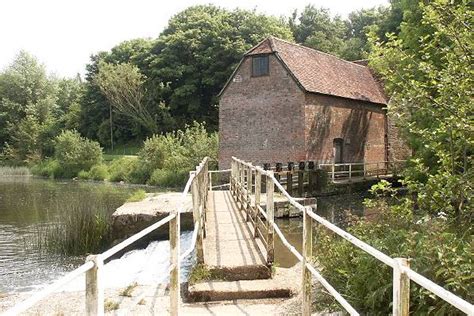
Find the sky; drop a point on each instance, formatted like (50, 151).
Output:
(63, 34)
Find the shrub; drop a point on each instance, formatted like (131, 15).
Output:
(76, 153)
(436, 252)
(137, 196)
(120, 169)
(48, 168)
(14, 171)
(168, 178)
(99, 172)
(83, 175)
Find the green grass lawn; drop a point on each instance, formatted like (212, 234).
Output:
(122, 150)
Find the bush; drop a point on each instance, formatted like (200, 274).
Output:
(120, 169)
(168, 178)
(435, 249)
(137, 196)
(76, 153)
(50, 168)
(97, 172)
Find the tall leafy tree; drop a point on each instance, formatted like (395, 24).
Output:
(430, 78)
(196, 53)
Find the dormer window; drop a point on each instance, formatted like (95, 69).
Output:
(260, 66)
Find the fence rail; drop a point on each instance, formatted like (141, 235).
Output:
(198, 183)
(245, 176)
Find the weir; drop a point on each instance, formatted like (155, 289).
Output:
(233, 239)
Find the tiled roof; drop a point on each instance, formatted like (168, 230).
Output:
(319, 72)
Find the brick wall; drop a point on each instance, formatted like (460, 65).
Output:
(361, 126)
(261, 119)
(397, 147)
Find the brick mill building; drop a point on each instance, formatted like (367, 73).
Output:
(286, 102)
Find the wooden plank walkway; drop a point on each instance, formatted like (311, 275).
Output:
(229, 245)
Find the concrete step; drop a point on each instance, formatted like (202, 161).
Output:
(237, 273)
(284, 284)
(234, 290)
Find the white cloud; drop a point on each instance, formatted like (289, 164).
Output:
(63, 34)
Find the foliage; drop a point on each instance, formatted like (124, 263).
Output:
(137, 196)
(97, 172)
(128, 291)
(120, 169)
(75, 153)
(50, 168)
(123, 85)
(84, 228)
(435, 250)
(430, 81)
(177, 153)
(14, 171)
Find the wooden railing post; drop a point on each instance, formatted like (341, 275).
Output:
(197, 217)
(332, 171)
(307, 253)
(270, 214)
(401, 288)
(174, 262)
(249, 193)
(350, 172)
(365, 169)
(94, 287)
(301, 167)
(258, 190)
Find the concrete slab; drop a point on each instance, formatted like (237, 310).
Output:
(229, 245)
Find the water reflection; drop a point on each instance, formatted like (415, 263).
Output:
(334, 209)
(29, 204)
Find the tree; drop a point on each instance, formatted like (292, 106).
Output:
(430, 79)
(196, 53)
(317, 29)
(122, 84)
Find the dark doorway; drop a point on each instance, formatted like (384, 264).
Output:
(338, 144)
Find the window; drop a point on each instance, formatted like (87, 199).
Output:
(260, 66)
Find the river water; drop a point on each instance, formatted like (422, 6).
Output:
(28, 204)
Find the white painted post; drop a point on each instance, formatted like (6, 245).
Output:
(270, 215)
(365, 169)
(249, 192)
(333, 172)
(94, 287)
(258, 190)
(350, 172)
(307, 253)
(174, 262)
(197, 217)
(401, 288)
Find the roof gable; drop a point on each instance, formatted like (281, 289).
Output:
(323, 73)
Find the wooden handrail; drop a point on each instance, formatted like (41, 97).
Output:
(401, 270)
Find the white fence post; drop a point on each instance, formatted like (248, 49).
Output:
(307, 253)
(401, 288)
(350, 172)
(270, 215)
(174, 262)
(94, 287)
(333, 172)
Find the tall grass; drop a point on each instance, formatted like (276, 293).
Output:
(83, 227)
(14, 171)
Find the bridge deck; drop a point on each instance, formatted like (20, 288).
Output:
(229, 242)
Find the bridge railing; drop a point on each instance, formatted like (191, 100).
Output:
(245, 176)
(197, 183)
(348, 171)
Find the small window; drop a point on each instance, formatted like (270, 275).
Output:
(259, 66)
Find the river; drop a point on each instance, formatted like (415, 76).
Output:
(28, 204)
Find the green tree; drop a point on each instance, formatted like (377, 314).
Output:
(197, 52)
(316, 28)
(430, 79)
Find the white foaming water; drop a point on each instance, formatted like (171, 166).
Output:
(144, 266)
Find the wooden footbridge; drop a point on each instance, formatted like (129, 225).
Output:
(233, 240)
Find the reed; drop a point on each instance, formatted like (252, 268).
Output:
(14, 171)
(83, 227)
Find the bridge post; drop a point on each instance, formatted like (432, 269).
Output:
(195, 192)
(174, 263)
(350, 172)
(258, 191)
(270, 214)
(307, 253)
(401, 288)
(301, 167)
(94, 288)
(249, 193)
(289, 178)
